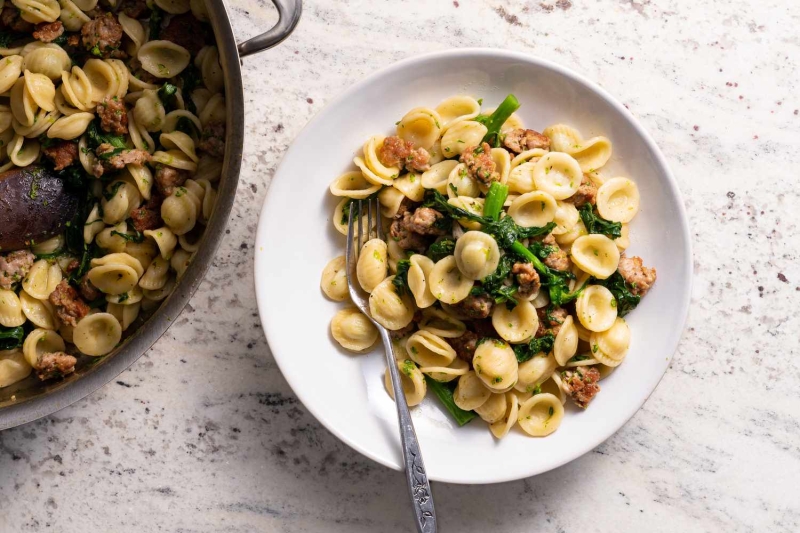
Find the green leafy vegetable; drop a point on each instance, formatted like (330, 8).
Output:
(190, 80)
(98, 137)
(11, 338)
(441, 249)
(596, 224)
(185, 125)
(137, 236)
(109, 193)
(525, 352)
(400, 280)
(156, 18)
(505, 231)
(166, 93)
(625, 298)
(556, 281)
(444, 392)
(496, 120)
(6, 38)
(494, 285)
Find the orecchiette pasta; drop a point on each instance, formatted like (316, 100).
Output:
(388, 308)
(372, 266)
(595, 254)
(477, 255)
(334, 279)
(353, 330)
(618, 200)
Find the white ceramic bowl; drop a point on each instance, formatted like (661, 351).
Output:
(296, 239)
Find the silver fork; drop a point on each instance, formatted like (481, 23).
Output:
(419, 488)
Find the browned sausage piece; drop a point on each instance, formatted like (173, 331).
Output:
(552, 324)
(69, 306)
(63, 154)
(47, 32)
(586, 193)
(113, 115)
(396, 152)
(102, 36)
(465, 345)
(527, 278)
(638, 276)
(520, 140)
(14, 267)
(55, 365)
(581, 384)
(167, 178)
(479, 163)
(475, 307)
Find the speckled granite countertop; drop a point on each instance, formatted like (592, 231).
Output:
(204, 435)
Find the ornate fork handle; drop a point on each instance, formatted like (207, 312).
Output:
(419, 488)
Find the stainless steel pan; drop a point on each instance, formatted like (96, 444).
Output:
(30, 399)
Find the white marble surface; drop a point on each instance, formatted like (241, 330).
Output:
(204, 435)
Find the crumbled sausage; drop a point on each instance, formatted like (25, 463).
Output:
(186, 31)
(520, 140)
(557, 259)
(411, 230)
(14, 267)
(69, 306)
(475, 306)
(212, 141)
(144, 218)
(10, 18)
(418, 161)
(586, 193)
(88, 291)
(527, 278)
(638, 276)
(134, 8)
(581, 383)
(55, 365)
(113, 115)
(551, 324)
(168, 178)
(407, 239)
(110, 159)
(397, 152)
(479, 163)
(424, 221)
(102, 36)
(47, 32)
(63, 154)
(465, 345)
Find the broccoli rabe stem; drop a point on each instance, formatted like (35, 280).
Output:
(495, 199)
(445, 395)
(496, 120)
(520, 249)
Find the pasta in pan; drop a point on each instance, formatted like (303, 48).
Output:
(503, 276)
(125, 102)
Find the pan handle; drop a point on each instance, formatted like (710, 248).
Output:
(289, 15)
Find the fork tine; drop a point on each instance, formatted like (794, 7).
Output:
(378, 228)
(350, 234)
(369, 219)
(360, 220)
